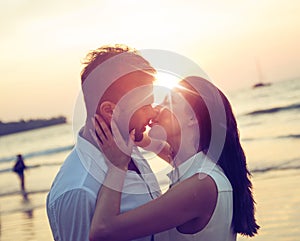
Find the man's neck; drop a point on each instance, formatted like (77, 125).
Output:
(87, 135)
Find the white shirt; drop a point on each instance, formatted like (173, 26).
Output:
(219, 227)
(72, 198)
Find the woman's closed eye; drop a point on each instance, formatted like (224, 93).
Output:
(171, 99)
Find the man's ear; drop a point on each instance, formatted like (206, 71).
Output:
(106, 109)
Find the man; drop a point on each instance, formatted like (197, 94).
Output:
(117, 85)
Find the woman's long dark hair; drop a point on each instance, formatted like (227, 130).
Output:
(232, 159)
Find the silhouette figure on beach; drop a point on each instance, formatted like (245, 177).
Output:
(19, 168)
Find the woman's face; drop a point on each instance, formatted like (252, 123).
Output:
(175, 116)
(167, 120)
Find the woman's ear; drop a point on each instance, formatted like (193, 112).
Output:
(106, 109)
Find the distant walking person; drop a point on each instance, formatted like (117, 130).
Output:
(19, 168)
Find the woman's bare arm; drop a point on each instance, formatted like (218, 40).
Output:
(193, 198)
(190, 199)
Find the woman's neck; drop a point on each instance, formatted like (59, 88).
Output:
(183, 153)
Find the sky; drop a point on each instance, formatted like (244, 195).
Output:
(43, 43)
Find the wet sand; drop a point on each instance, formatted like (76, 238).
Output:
(276, 194)
(278, 205)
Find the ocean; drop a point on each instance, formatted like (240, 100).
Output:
(269, 123)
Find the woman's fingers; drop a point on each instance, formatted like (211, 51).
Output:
(111, 143)
(97, 132)
(96, 139)
(112, 139)
(102, 129)
(124, 146)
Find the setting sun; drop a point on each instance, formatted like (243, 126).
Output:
(163, 84)
(166, 80)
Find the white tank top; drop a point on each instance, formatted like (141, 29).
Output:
(219, 227)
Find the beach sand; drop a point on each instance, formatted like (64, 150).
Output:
(278, 205)
(276, 194)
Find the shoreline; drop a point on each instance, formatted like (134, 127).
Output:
(275, 192)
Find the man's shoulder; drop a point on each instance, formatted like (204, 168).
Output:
(72, 209)
(68, 198)
(78, 193)
(73, 179)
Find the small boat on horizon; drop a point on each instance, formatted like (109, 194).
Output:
(260, 84)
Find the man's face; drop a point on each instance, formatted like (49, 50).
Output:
(135, 103)
(144, 112)
(140, 119)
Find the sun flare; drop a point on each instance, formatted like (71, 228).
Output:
(166, 80)
(163, 84)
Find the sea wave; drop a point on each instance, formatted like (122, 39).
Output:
(267, 169)
(270, 138)
(38, 153)
(287, 165)
(274, 109)
(293, 136)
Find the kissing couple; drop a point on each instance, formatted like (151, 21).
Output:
(106, 190)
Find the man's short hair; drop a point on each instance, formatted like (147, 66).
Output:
(96, 57)
(104, 76)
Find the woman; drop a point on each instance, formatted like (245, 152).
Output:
(210, 198)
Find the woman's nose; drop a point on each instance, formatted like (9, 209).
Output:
(156, 111)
